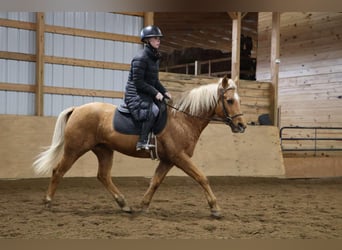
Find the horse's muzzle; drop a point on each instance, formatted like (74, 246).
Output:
(239, 128)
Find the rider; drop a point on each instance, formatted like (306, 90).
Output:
(143, 88)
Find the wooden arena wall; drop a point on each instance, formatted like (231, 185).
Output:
(219, 152)
(310, 86)
(310, 72)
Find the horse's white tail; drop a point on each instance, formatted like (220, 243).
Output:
(49, 158)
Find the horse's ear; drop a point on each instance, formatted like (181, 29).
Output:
(224, 82)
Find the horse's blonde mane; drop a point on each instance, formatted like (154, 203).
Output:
(198, 100)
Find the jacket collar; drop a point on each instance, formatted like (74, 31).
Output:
(152, 52)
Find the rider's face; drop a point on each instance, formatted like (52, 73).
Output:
(155, 42)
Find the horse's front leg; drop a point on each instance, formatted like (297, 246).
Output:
(184, 162)
(158, 177)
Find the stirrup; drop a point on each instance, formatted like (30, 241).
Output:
(144, 146)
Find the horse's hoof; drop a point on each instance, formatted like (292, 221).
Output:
(127, 209)
(216, 214)
(47, 203)
(141, 209)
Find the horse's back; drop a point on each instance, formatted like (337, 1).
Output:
(96, 107)
(90, 116)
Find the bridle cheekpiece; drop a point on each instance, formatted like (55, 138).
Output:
(227, 119)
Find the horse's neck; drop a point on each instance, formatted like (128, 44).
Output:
(195, 124)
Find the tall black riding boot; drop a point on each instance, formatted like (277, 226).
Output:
(143, 142)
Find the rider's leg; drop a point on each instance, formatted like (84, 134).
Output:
(147, 126)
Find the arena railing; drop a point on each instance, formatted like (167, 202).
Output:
(322, 138)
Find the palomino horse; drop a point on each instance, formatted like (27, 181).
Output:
(90, 127)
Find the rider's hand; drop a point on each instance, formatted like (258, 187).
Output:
(168, 95)
(159, 96)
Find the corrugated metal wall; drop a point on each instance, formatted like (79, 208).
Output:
(23, 41)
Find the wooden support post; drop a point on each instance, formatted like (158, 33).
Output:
(40, 53)
(148, 18)
(197, 68)
(236, 37)
(209, 68)
(275, 53)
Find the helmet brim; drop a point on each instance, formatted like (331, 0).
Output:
(149, 36)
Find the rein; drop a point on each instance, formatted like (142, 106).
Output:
(199, 117)
(228, 120)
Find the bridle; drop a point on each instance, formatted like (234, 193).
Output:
(228, 120)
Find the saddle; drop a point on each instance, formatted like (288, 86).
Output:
(124, 123)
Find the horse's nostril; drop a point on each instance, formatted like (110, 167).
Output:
(241, 127)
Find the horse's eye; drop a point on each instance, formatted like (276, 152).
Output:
(230, 101)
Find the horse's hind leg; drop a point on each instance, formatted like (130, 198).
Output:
(57, 174)
(158, 177)
(105, 159)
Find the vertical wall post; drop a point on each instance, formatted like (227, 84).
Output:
(197, 70)
(236, 37)
(39, 100)
(275, 53)
(148, 18)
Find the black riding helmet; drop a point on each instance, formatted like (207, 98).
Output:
(150, 31)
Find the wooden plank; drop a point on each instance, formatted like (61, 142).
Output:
(65, 61)
(17, 56)
(255, 101)
(83, 92)
(17, 87)
(141, 14)
(257, 87)
(61, 90)
(17, 24)
(40, 53)
(86, 63)
(91, 34)
(313, 167)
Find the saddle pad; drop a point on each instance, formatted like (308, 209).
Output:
(124, 123)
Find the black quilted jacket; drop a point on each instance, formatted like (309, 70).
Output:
(143, 83)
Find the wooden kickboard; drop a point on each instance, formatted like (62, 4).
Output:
(219, 152)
